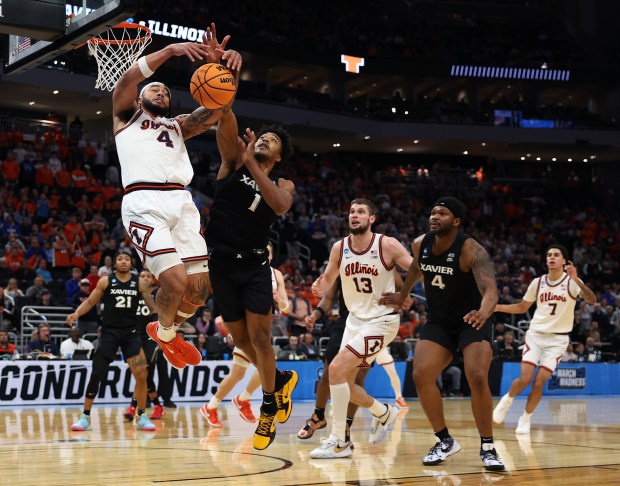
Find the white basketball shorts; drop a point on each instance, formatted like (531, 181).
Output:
(365, 338)
(164, 226)
(544, 349)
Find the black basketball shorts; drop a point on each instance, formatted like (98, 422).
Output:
(456, 337)
(336, 331)
(111, 338)
(239, 284)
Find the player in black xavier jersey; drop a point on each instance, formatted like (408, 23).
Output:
(459, 282)
(246, 203)
(119, 293)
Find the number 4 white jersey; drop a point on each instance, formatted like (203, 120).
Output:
(555, 304)
(153, 150)
(365, 277)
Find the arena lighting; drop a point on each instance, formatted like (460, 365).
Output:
(399, 150)
(459, 70)
(553, 159)
(352, 64)
(31, 103)
(55, 91)
(416, 141)
(98, 112)
(522, 158)
(367, 137)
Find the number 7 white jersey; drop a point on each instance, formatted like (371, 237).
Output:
(555, 304)
(365, 277)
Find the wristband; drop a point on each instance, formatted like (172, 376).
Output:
(284, 308)
(320, 311)
(144, 68)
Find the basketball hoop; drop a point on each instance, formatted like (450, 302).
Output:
(116, 49)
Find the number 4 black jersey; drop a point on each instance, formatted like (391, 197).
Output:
(240, 217)
(120, 303)
(450, 292)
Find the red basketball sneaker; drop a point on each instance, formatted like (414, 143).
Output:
(178, 352)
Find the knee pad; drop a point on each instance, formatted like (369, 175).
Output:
(99, 370)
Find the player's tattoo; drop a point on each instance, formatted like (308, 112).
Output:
(586, 292)
(137, 361)
(482, 268)
(196, 122)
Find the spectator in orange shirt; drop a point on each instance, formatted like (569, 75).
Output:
(44, 175)
(10, 168)
(73, 228)
(14, 258)
(78, 176)
(93, 277)
(83, 203)
(63, 179)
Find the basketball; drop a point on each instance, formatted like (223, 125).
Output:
(213, 85)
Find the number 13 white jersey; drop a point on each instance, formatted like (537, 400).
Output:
(365, 276)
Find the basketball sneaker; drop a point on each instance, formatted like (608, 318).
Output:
(129, 413)
(331, 448)
(381, 424)
(82, 424)
(158, 412)
(245, 409)
(490, 458)
(265, 432)
(523, 425)
(499, 413)
(283, 395)
(402, 404)
(142, 422)
(211, 416)
(441, 451)
(177, 352)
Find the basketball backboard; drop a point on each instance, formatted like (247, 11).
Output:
(84, 19)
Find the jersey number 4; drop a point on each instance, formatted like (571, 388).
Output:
(164, 137)
(438, 282)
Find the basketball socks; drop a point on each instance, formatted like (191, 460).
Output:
(134, 402)
(349, 422)
(245, 396)
(213, 403)
(341, 394)
(377, 408)
(443, 434)
(140, 411)
(320, 413)
(486, 440)
(269, 407)
(87, 413)
(166, 334)
(155, 401)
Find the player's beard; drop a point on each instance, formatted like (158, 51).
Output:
(441, 231)
(361, 229)
(153, 108)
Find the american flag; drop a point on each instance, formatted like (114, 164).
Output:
(22, 43)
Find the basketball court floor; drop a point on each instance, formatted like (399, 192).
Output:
(574, 441)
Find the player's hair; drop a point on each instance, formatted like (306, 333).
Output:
(562, 249)
(285, 139)
(372, 208)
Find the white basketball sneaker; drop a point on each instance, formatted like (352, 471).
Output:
(331, 448)
(523, 426)
(499, 414)
(380, 425)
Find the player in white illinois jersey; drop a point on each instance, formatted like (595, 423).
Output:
(547, 338)
(365, 263)
(158, 214)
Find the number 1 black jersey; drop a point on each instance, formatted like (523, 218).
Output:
(450, 292)
(120, 303)
(240, 217)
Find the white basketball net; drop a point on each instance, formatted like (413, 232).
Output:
(115, 50)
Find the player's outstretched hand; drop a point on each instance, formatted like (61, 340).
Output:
(71, 318)
(391, 299)
(193, 50)
(475, 319)
(316, 286)
(247, 147)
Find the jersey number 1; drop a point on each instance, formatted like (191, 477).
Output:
(255, 202)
